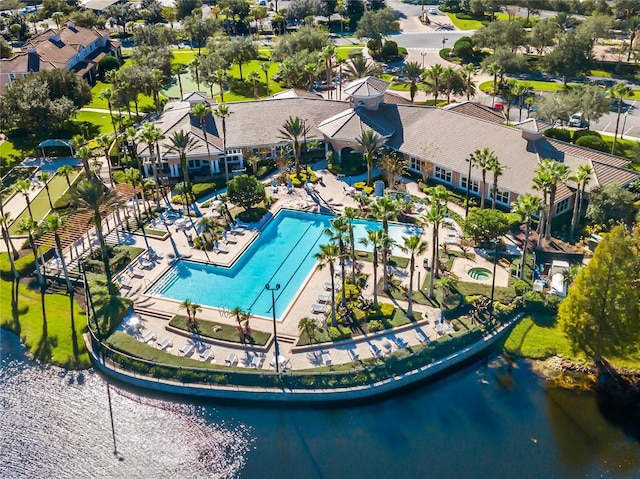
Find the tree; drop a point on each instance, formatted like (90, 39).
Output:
(376, 24)
(152, 135)
(121, 14)
(601, 314)
(553, 173)
(611, 204)
(191, 309)
(327, 255)
(375, 239)
(414, 246)
(223, 113)
(542, 34)
(133, 176)
(434, 75)
(66, 170)
(253, 77)
(349, 215)
(198, 29)
(468, 71)
(53, 223)
(526, 206)
(240, 51)
(202, 111)
(518, 90)
(447, 284)
(500, 34)
(483, 159)
(182, 144)
(264, 67)
(497, 169)
(45, 176)
(94, 196)
(245, 191)
(394, 166)
(361, 67)
(338, 234)
(24, 187)
(618, 93)
(293, 130)
(582, 176)
(572, 55)
(590, 100)
(178, 69)
(221, 77)
(308, 326)
(437, 202)
(12, 254)
(486, 225)
(633, 27)
(413, 71)
(368, 143)
(29, 226)
(494, 69)
(327, 55)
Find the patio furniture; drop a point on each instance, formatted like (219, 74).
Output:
(421, 337)
(136, 272)
(231, 239)
(222, 249)
(124, 282)
(230, 360)
(401, 343)
(324, 298)
(206, 354)
(256, 362)
(187, 349)
(326, 359)
(375, 350)
(156, 254)
(145, 263)
(319, 308)
(165, 343)
(148, 336)
(327, 286)
(353, 354)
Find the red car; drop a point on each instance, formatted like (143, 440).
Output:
(498, 106)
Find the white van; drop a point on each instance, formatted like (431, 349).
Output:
(576, 120)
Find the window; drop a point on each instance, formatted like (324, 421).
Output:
(194, 163)
(473, 187)
(502, 196)
(562, 206)
(442, 174)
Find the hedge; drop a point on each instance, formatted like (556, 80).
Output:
(593, 142)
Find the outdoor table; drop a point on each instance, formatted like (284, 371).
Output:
(326, 359)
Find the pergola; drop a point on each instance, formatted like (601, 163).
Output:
(54, 143)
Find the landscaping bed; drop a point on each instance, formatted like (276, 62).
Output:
(220, 332)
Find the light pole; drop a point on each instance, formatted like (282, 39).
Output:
(273, 310)
(624, 122)
(444, 40)
(466, 207)
(424, 54)
(493, 278)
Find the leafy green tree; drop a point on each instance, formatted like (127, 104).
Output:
(368, 143)
(24, 187)
(121, 14)
(611, 204)
(377, 24)
(590, 100)
(308, 326)
(497, 169)
(500, 34)
(572, 55)
(542, 34)
(361, 67)
(245, 191)
(240, 51)
(527, 206)
(434, 81)
(601, 314)
(184, 8)
(29, 226)
(486, 225)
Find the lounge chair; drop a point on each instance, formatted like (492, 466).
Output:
(124, 282)
(401, 343)
(324, 298)
(165, 343)
(375, 350)
(148, 336)
(319, 309)
(187, 349)
(222, 248)
(156, 254)
(327, 286)
(136, 272)
(421, 337)
(145, 263)
(231, 239)
(206, 354)
(353, 354)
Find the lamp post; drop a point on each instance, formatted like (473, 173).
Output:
(493, 278)
(624, 123)
(466, 207)
(273, 310)
(424, 54)
(444, 40)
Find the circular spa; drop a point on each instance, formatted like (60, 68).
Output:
(480, 274)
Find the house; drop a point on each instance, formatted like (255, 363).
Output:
(71, 48)
(436, 142)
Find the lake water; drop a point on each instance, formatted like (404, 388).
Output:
(55, 423)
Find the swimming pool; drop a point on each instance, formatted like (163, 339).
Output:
(282, 254)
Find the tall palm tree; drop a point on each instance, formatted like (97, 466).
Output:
(45, 176)
(177, 69)
(66, 170)
(223, 113)
(434, 75)
(518, 90)
(24, 187)
(182, 144)
(338, 233)
(385, 209)
(29, 226)
(360, 67)
(202, 111)
(414, 246)
(11, 249)
(104, 143)
(468, 71)
(375, 239)
(438, 198)
(309, 326)
(483, 159)
(293, 130)
(253, 77)
(448, 77)
(582, 176)
(194, 69)
(349, 215)
(541, 183)
(556, 174)
(618, 93)
(132, 176)
(264, 67)
(494, 69)
(95, 197)
(327, 55)
(151, 135)
(527, 206)
(221, 77)
(85, 153)
(497, 169)
(368, 144)
(413, 71)
(53, 224)
(327, 255)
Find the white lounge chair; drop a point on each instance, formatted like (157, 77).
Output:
(375, 350)
(206, 354)
(421, 337)
(324, 298)
(231, 239)
(353, 354)
(165, 343)
(327, 286)
(187, 349)
(148, 336)
(319, 308)
(136, 272)
(222, 248)
(401, 343)
(145, 263)
(124, 282)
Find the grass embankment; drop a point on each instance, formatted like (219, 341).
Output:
(539, 336)
(464, 24)
(56, 340)
(222, 332)
(487, 86)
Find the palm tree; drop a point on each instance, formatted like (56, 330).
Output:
(12, 254)
(368, 144)
(327, 55)
(253, 77)
(349, 215)
(326, 256)
(191, 309)
(448, 77)
(201, 111)
(223, 113)
(494, 69)
(375, 238)
(53, 223)
(518, 90)
(359, 67)
(94, 196)
(618, 93)
(541, 183)
(633, 27)
(177, 69)
(293, 130)
(497, 169)
(582, 177)
(85, 153)
(413, 71)
(182, 144)
(447, 284)
(264, 67)
(434, 75)
(483, 159)
(29, 226)
(556, 173)
(468, 71)
(414, 246)
(527, 206)
(221, 77)
(311, 70)
(104, 143)
(66, 170)
(338, 233)
(108, 95)
(151, 135)
(45, 176)
(309, 326)
(438, 198)
(194, 69)
(24, 187)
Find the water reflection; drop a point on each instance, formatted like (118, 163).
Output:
(486, 421)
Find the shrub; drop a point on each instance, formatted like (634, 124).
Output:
(337, 333)
(389, 49)
(558, 134)
(521, 287)
(375, 325)
(108, 63)
(582, 133)
(533, 301)
(63, 202)
(553, 301)
(593, 142)
(463, 48)
(25, 266)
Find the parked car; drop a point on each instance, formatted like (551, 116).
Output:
(498, 106)
(432, 11)
(577, 120)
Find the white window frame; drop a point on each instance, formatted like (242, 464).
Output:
(501, 195)
(562, 206)
(443, 174)
(475, 185)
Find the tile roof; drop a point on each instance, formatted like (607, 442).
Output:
(394, 99)
(477, 110)
(294, 93)
(366, 87)
(533, 125)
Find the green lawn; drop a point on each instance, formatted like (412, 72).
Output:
(7, 148)
(625, 148)
(464, 24)
(539, 337)
(487, 86)
(222, 332)
(40, 204)
(53, 341)
(100, 120)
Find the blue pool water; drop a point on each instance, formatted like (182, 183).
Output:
(282, 254)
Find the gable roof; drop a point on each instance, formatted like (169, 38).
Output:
(294, 93)
(366, 87)
(477, 110)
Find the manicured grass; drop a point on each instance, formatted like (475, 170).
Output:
(600, 73)
(624, 148)
(464, 24)
(100, 120)
(539, 337)
(398, 261)
(40, 204)
(7, 148)
(344, 51)
(222, 332)
(51, 341)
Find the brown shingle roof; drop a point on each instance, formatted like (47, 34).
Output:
(477, 110)
(366, 87)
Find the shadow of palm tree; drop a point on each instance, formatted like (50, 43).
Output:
(15, 311)
(74, 335)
